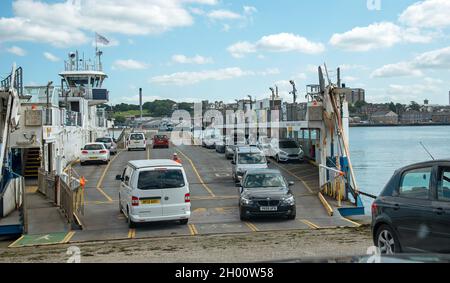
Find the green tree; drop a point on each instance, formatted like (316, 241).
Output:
(414, 106)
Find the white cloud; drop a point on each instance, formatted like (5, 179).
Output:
(66, 23)
(282, 42)
(248, 10)
(190, 78)
(197, 59)
(402, 69)
(433, 60)
(224, 15)
(376, 36)
(129, 64)
(49, 56)
(17, 51)
(349, 79)
(427, 14)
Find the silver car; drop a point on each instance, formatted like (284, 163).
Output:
(109, 143)
(286, 150)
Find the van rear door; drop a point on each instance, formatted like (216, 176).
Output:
(149, 193)
(175, 190)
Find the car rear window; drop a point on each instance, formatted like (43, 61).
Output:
(137, 137)
(103, 140)
(93, 147)
(252, 158)
(161, 137)
(160, 179)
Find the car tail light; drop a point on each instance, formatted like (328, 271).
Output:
(374, 208)
(84, 152)
(103, 152)
(187, 197)
(134, 201)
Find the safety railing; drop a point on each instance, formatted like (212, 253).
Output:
(72, 196)
(47, 184)
(333, 183)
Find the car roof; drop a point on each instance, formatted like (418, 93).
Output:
(426, 163)
(248, 149)
(263, 171)
(139, 133)
(139, 164)
(103, 138)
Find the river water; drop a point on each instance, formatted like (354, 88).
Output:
(376, 152)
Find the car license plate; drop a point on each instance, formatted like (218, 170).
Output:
(269, 208)
(151, 201)
(136, 142)
(93, 158)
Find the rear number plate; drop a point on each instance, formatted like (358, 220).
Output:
(93, 157)
(268, 208)
(151, 201)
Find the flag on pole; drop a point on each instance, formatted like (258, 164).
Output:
(101, 39)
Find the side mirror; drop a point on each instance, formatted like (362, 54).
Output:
(291, 183)
(119, 178)
(238, 185)
(268, 161)
(233, 162)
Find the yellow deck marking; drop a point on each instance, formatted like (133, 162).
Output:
(200, 210)
(102, 177)
(32, 189)
(310, 224)
(131, 233)
(252, 226)
(68, 237)
(220, 209)
(295, 176)
(196, 172)
(325, 203)
(16, 241)
(353, 222)
(192, 229)
(148, 152)
(214, 198)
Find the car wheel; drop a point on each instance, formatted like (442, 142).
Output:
(387, 241)
(184, 221)
(131, 224)
(277, 158)
(242, 216)
(292, 216)
(81, 163)
(120, 206)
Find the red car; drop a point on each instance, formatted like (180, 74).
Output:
(161, 141)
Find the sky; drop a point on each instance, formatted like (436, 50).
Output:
(222, 50)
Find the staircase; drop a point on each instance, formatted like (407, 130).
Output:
(32, 162)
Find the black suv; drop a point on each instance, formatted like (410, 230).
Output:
(412, 214)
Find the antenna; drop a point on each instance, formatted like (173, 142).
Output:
(427, 151)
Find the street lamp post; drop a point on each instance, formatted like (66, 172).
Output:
(294, 90)
(48, 114)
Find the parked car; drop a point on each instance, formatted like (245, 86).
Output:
(154, 190)
(412, 212)
(94, 153)
(265, 192)
(264, 145)
(246, 158)
(110, 144)
(221, 145)
(160, 141)
(286, 150)
(136, 141)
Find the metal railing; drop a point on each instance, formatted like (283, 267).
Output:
(47, 184)
(17, 82)
(71, 196)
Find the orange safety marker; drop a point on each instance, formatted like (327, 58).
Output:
(82, 182)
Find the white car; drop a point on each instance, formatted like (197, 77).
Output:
(136, 141)
(264, 145)
(154, 190)
(94, 152)
(286, 150)
(246, 158)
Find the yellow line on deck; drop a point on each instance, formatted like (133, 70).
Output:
(148, 152)
(68, 237)
(131, 233)
(353, 222)
(196, 172)
(192, 229)
(13, 245)
(310, 224)
(102, 177)
(251, 226)
(295, 176)
(325, 203)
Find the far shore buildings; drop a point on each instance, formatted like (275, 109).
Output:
(384, 117)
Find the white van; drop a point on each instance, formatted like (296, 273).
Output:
(154, 190)
(136, 141)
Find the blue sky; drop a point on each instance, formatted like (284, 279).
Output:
(226, 49)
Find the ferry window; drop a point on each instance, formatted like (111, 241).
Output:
(416, 184)
(444, 185)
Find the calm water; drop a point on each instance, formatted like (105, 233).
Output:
(377, 152)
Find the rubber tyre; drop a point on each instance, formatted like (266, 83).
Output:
(385, 231)
(131, 224)
(82, 164)
(277, 158)
(184, 221)
(292, 216)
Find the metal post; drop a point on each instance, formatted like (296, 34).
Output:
(140, 101)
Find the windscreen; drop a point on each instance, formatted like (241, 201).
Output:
(264, 181)
(137, 137)
(288, 144)
(93, 147)
(251, 158)
(103, 140)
